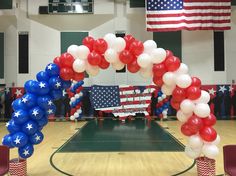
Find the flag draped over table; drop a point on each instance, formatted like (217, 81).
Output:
(132, 100)
(174, 15)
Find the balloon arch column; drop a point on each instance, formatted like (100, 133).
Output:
(31, 111)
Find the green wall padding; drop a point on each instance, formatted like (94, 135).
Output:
(1, 55)
(233, 2)
(137, 3)
(170, 41)
(5, 4)
(70, 38)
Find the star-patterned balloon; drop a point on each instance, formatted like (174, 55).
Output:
(29, 100)
(45, 102)
(36, 138)
(43, 88)
(52, 70)
(7, 141)
(20, 117)
(26, 151)
(19, 139)
(42, 76)
(12, 127)
(55, 83)
(30, 127)
(36, 113)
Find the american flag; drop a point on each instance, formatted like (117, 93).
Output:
(132, 101)
(174, 15)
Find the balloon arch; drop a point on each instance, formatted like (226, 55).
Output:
(32, 110)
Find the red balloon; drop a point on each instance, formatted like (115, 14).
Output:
(129, 39)
(104, 64)
(196, 123)
(158, 81)
(100, 46)
(78, 76)
(136, 48)
(159, 69)
(73, 110)
(88, 41)
(66, 73)
(172, 63)
(210, 120)
(196, 82)
(179, 94)
(94, 58)
(168, 53)
(193, 93)
(186, 129)
(208, 134)
(175, 104)
(126, 57)
(133, 67)
(66, 60)
(79, 89)
(57, 60)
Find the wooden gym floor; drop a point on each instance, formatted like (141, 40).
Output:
(115, 163)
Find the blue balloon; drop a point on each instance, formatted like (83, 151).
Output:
(30, 127)
(55, 83)
(56, 94)
(19, 139)
(31, 86)
(52, 70)
(43, 88)
(66, 84)
(20, 117)
(7, 141)
(159, 93)
(51, 110)
(45, 102)
(42, 76)
(29, 100)
(17, 105)
(36, 113)
(12, 127)
(36, 138)
(26, 151)
(42, 122)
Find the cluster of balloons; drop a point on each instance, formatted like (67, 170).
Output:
(31, 111)
(162, 105)
(76, 95)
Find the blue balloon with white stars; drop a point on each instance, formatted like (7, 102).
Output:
(7, 141)
(42, 122)
(52, 70)
(19, 139)
(36, 113)
(51, 110)
(12, 127)
(56, 94)
(36, 138)
(42, 76)
(20, 117)
(66, 84)
(45, 102)
(26, 151)
(30, 127)
(43, 88)
(17, 105)
(30, 100)
(55, 83)
(31, 86)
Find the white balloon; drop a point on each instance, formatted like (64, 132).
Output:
(119, 44)
(164, 113)
(195, 142)
(73, 50)
(77, 96)
(92, 70)
(72, 117)
(167, 89)
(187, 106)
(183, 81)
(82, 52)
(191, 153)
(149, 46)
(158, 55)
(182, 117)
(81, 94)
(169, 78)
(109, 38)
(163, 96)
(118, 65)
(79, 65)
(159, 99)
(202, 110)
(204, 98)
(210, 150)
(79, 111)
(183, 69)
(72, 99)
(76, 115)
(144, 60)
(111, 55)
(146, 72)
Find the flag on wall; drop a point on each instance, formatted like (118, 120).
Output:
(174, 15)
